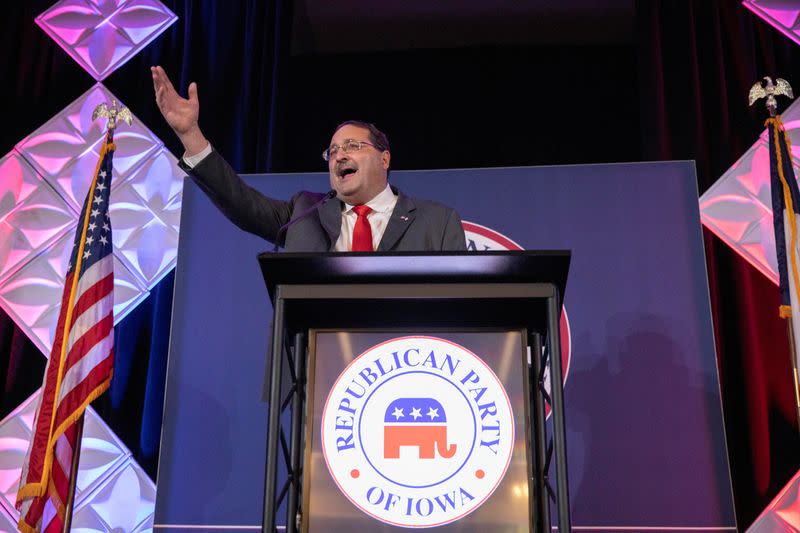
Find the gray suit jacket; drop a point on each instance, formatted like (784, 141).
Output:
(415, 225)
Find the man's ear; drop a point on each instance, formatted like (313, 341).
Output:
(386, 158)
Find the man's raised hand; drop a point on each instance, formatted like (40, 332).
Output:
(180, 113)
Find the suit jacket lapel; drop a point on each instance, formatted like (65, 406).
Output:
(330, 216)
(402, 217)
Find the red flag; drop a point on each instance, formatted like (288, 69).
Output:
(81, 360)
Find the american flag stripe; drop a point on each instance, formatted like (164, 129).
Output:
(101, 340)
(89, 291)
(85, 386)
(32, 508)
(50, 520)
(87, 331)
(60, 479)
(94, 332)
(89, 309)
(81, 361)
(91, 296)
(92, 275)
(87, 390)
(64, 453)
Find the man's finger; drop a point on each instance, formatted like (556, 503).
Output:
(193, 93)
(159, 80)
(153, 75)
(160, 96)
(167, 82)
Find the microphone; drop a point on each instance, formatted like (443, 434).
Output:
(282, 230)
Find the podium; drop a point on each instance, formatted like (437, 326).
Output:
(475, 292)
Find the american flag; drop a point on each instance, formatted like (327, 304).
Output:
(81, 360)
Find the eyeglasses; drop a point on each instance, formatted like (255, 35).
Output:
(348, 146)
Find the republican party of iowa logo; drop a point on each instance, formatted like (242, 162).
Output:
(417, 432)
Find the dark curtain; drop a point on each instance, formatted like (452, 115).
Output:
(697, 62)
(235, 52)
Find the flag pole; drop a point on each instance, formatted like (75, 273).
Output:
(793, 353)
(73, 474)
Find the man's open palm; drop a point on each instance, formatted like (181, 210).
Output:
(180, 113)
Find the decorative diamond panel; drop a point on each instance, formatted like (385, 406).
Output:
(783, 15)
(65, 150)
(101, 35)
(145, 242)
(32, 296)
(7, 525)
(19, 181)
(14, 438)
(15, 432)
(738, 207)
(32, 215)
(112, 490)
(101, 453)
(783, 513)
(44, 181)
(124, 502)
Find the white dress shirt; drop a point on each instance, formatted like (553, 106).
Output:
(194, 160)
(382, 206)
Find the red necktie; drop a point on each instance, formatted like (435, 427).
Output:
(362, 232)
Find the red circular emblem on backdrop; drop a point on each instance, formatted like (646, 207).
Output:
(483, 239)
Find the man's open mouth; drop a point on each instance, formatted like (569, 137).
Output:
(345, 172)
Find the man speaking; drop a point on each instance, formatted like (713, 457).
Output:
(362, 213)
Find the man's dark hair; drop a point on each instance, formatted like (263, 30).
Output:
(376, 136)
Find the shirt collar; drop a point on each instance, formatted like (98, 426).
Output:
(382, 202)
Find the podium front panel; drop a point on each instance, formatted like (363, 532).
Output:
(408, 429)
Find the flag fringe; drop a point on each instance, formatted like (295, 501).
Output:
(24, 527)
(790, 212)
(32, 490)
(38, 488)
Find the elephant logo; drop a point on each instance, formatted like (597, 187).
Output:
(417, 422)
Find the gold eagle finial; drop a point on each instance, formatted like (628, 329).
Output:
(112, 114)
(770, 90)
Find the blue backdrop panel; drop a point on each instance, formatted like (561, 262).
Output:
(645, 433)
